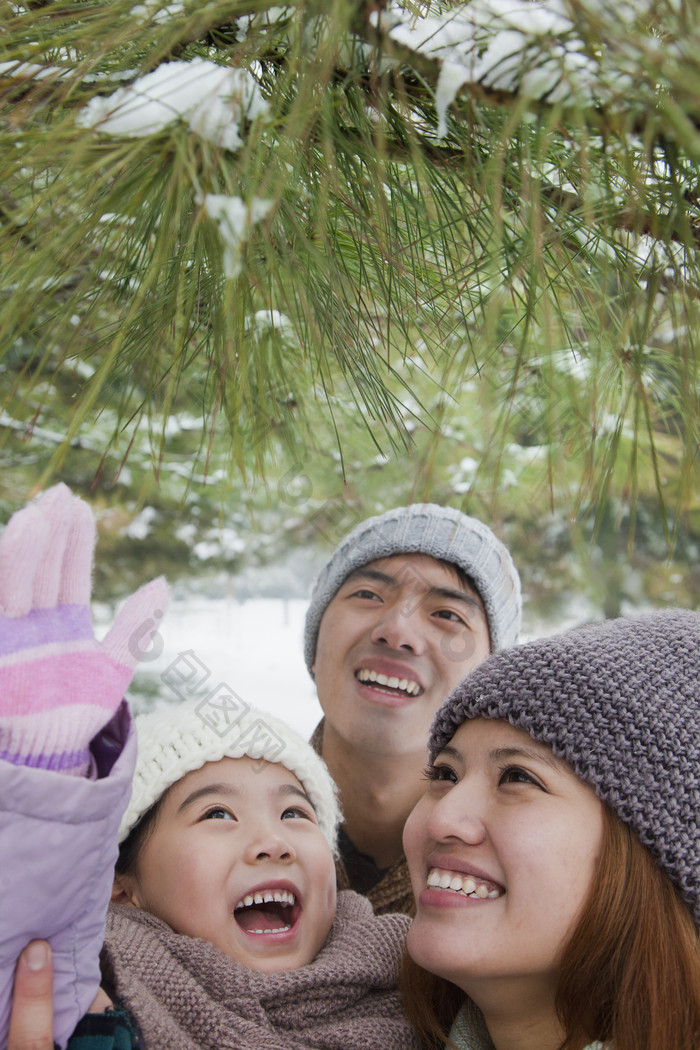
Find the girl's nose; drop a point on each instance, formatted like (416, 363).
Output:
(271, 845)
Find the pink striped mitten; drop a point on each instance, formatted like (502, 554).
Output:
(58, 685)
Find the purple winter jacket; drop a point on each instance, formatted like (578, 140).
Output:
(58, 846)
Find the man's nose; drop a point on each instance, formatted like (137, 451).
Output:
(400, 626)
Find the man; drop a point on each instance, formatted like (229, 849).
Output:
(408, 604)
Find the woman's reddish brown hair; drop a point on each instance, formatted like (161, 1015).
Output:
(630, 974)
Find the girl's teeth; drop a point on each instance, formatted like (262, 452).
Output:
(463, 884)
(265, 897)
(282, 929)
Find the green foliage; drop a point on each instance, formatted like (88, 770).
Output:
(520, 291)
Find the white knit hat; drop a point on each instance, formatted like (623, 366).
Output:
(176, 740)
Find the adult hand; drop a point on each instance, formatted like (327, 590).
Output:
(31, 1020)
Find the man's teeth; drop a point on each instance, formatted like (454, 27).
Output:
(265, 897)
(406, 685)
(467, 885)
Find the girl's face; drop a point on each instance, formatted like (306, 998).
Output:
(502, 850)
(237, 858)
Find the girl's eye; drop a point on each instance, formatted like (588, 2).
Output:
(516, 775)
(295, 811)
(440, 773)
(218, 813)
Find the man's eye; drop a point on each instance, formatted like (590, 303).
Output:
(449, 614)
(365, 592)
(218, 813)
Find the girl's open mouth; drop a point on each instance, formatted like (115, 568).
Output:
(267, 911)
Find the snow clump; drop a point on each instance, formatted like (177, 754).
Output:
(212, 99)
(234, 218)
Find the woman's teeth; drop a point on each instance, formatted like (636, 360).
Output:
(467, 885)
(406, 685)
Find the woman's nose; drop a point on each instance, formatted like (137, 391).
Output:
(459, 814)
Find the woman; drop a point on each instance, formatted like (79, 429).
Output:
(555, 856)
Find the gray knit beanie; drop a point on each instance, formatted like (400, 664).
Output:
(620, 702)
(440, 532)
(179, 738)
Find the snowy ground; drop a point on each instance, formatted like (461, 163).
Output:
(253, 647)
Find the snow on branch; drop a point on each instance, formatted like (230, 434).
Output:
(210, 98)
(525, 48)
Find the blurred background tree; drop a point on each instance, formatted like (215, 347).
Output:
(268, 269)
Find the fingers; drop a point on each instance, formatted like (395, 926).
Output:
(31, 1021)
(76, 576)
(46, 554)
(22, 542)
(101, 1003)
(56, 508)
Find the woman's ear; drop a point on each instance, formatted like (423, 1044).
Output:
(124, 891)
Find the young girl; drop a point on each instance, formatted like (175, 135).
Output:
(555, 856)
(225, 929)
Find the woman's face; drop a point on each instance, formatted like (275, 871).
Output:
(502, 850)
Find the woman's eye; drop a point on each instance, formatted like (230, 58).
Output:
(516, 775)
(441, 773)
(218, 813)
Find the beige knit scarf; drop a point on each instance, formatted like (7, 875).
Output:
(185, 994)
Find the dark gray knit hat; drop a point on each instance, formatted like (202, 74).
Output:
(620, 702)
(440, 532)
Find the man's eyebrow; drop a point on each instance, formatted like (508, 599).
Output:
(458, 596)
(209, 789)
(365, 573)
(506, 754)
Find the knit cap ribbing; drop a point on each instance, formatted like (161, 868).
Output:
(620, 702)
(442, 533)
(177, 739)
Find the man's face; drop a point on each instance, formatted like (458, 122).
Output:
(395, 640)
